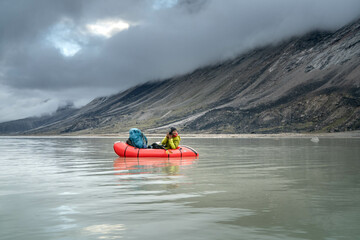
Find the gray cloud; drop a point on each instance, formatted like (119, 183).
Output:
(165, 38)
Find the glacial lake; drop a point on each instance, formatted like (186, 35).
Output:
(255, 188)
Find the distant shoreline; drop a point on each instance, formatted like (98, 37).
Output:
(350, 134)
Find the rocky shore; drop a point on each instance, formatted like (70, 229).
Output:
(349, 134)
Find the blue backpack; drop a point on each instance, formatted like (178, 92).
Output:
(137, 138)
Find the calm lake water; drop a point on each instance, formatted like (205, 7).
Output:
(77, 188)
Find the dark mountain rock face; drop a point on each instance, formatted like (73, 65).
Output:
(21, 126)
(305, 84)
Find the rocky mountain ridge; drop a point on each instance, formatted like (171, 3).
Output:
(305, 84)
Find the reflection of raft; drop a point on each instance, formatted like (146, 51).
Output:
(124, 150)
(150, 165)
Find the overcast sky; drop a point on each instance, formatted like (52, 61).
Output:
(53, 52)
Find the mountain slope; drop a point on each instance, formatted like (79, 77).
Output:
(22, 125)
(311, 83)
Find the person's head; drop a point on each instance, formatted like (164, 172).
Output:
(173, 132)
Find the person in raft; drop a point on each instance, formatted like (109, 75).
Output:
(172, 139)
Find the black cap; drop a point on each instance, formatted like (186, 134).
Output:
(172, 129)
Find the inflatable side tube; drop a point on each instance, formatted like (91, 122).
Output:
(124, 150)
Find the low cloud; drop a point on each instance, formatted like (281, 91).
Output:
(48, 51)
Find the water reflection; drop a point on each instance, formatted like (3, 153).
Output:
(172, 166)
(241, 189)
(105, 231)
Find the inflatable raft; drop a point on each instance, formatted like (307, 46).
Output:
(124, 150)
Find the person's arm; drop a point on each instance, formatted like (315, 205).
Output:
(171, 143)
(174, 142)
(177, 141)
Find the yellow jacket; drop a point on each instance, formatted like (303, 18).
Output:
(171, 143)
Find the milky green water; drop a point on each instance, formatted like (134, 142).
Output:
(68, 188)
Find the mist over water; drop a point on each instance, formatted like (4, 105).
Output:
(77, 188)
